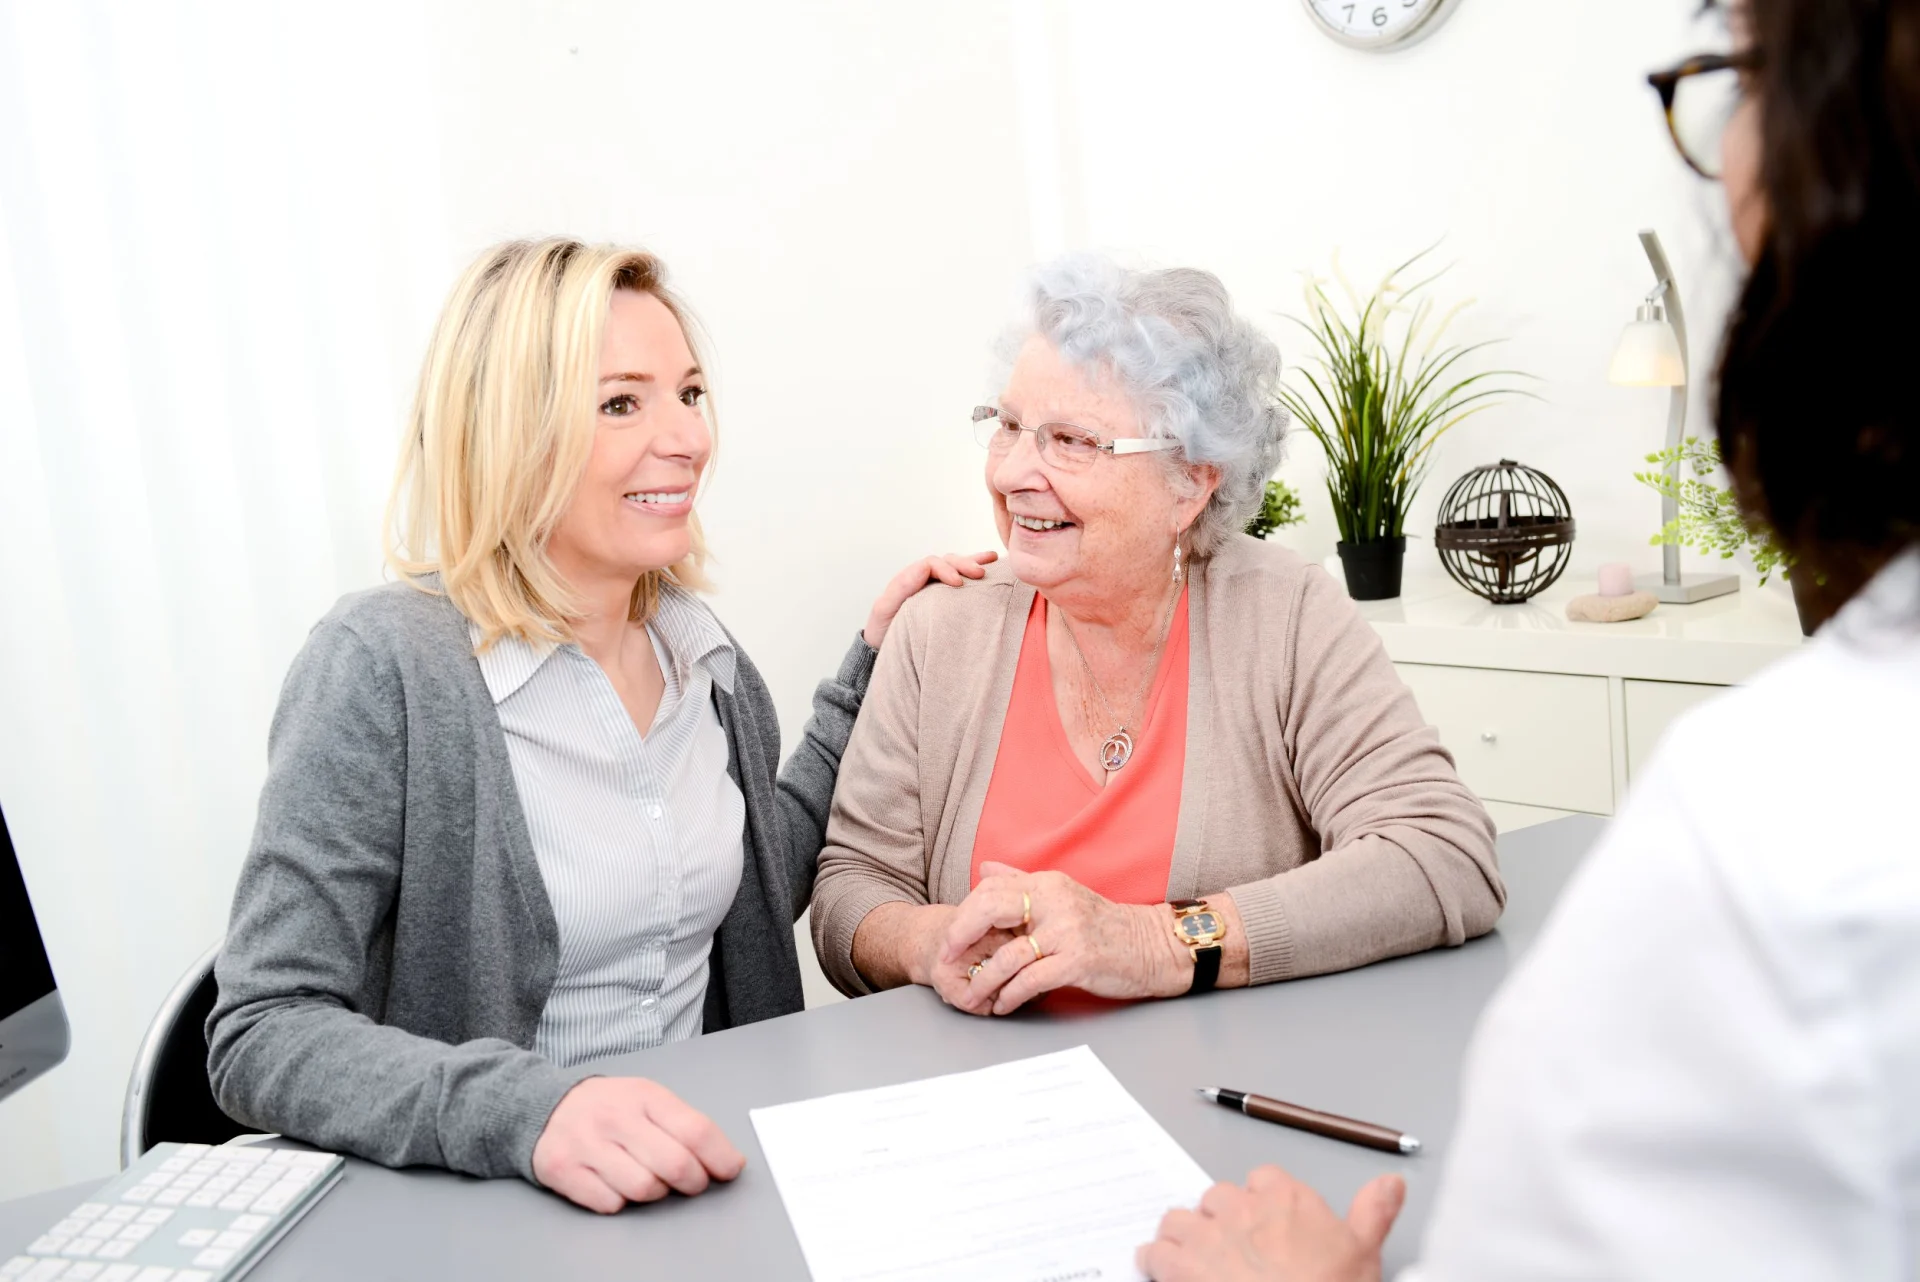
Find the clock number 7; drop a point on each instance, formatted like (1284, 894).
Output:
(1350, 9)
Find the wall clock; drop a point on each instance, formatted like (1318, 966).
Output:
(1379, 25)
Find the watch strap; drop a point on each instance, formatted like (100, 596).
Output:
(1206, 969)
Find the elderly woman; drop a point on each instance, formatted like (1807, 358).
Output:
(1151, 755)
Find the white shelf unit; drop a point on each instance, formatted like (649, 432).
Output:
(1549, 717)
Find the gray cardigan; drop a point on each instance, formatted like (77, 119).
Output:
(392, 945)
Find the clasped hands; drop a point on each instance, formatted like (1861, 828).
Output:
(1020, 934)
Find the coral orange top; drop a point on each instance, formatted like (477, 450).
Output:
(1045, 813)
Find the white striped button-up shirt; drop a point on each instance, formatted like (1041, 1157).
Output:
(639, 839)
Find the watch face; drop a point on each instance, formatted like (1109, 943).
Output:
(1198, 926)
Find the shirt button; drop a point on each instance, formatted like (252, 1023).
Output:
(653, 812)
(648, 1003)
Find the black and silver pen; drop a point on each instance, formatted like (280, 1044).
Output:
(1330, 1125)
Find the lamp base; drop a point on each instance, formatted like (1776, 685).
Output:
(1691, 588)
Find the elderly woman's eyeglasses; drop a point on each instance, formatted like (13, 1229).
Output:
(1699, 97)
(1062, 444)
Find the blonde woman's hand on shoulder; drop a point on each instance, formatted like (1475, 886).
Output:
(615, 1140)
(951, 569)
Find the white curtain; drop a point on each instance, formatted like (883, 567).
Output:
(221, 240)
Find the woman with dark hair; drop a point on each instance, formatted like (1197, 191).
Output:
(1760, 1117)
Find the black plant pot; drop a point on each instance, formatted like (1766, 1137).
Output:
(1373, 569)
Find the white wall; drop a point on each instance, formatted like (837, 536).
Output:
(1235, 137)
(224, 229)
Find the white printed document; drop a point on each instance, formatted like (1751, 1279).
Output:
(1041, 1170)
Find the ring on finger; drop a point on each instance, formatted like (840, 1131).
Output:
(1037, 954)
(1026, 913)
(973, 971)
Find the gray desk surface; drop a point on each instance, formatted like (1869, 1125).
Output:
(1384, 1043)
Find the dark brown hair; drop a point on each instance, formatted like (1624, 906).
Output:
(1818, 404)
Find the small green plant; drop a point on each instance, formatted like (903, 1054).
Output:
(1710, 520)
(1280, 509)
(1376, 404)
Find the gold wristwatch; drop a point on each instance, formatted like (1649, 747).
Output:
(1201, 930)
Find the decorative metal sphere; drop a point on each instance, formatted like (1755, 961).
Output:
(1505, 532)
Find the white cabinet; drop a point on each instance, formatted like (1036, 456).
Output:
(1651, 707)
(1533, 738)
(1546, 716)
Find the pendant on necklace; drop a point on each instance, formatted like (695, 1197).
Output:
(1117, 750)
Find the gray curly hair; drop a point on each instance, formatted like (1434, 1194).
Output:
(1196, 372)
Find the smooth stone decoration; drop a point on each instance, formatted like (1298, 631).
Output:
(1611, 609)
(1616, 579)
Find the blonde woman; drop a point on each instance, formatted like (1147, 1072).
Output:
(524, 808)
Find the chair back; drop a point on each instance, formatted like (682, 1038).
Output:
(168, 1094)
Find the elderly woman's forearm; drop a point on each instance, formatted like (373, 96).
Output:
(890, 943)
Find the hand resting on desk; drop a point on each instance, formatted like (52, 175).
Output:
(1275, 1228)
(615, 1140)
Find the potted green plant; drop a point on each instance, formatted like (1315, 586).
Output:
(1377, 403)
(1279, 510)
(1711, 522)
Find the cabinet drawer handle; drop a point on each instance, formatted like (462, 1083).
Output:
(1488, 736)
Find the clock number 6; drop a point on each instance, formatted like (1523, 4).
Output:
(1379, 17)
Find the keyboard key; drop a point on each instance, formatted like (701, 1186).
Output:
(191, 1182)
(214, 1257)
(85, 1271)
(175, 1163)
(48, 1245)
(136, 1233)
(238, 1202)
(271, 1203)
(80, 1247)
(67, 1228)
(315, 1160)
(204, 1199)
(197, 1238)
(155, 1216)
(249, 1223)
(211, 1166)
(15, 1267)
(194, 1150)
(44, 1271)
(154, 1275)
(118, 1249)
(139, 1193)
(118, 1273)
(233, 1240)
(170, 1197)
(89, 1211)
(192, 1275)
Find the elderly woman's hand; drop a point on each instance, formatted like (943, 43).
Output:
(1275, 1228)
(1034, 932)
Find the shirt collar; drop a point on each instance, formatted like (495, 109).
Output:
(693, 635)
(1885, 613)
(690, 631)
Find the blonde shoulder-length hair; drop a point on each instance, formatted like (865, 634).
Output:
(501, 428)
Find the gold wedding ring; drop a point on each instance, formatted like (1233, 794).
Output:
(1026, 912)
(973, 971)
(1037, 954)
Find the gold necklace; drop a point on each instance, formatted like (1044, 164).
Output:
(1117, 749)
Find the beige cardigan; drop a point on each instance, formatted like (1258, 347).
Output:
(1313, 791)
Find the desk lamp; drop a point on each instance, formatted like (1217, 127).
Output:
(1652, 352)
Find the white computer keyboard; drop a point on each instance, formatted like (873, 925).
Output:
(182, 1213)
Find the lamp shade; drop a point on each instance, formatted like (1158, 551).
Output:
(1648, 354)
